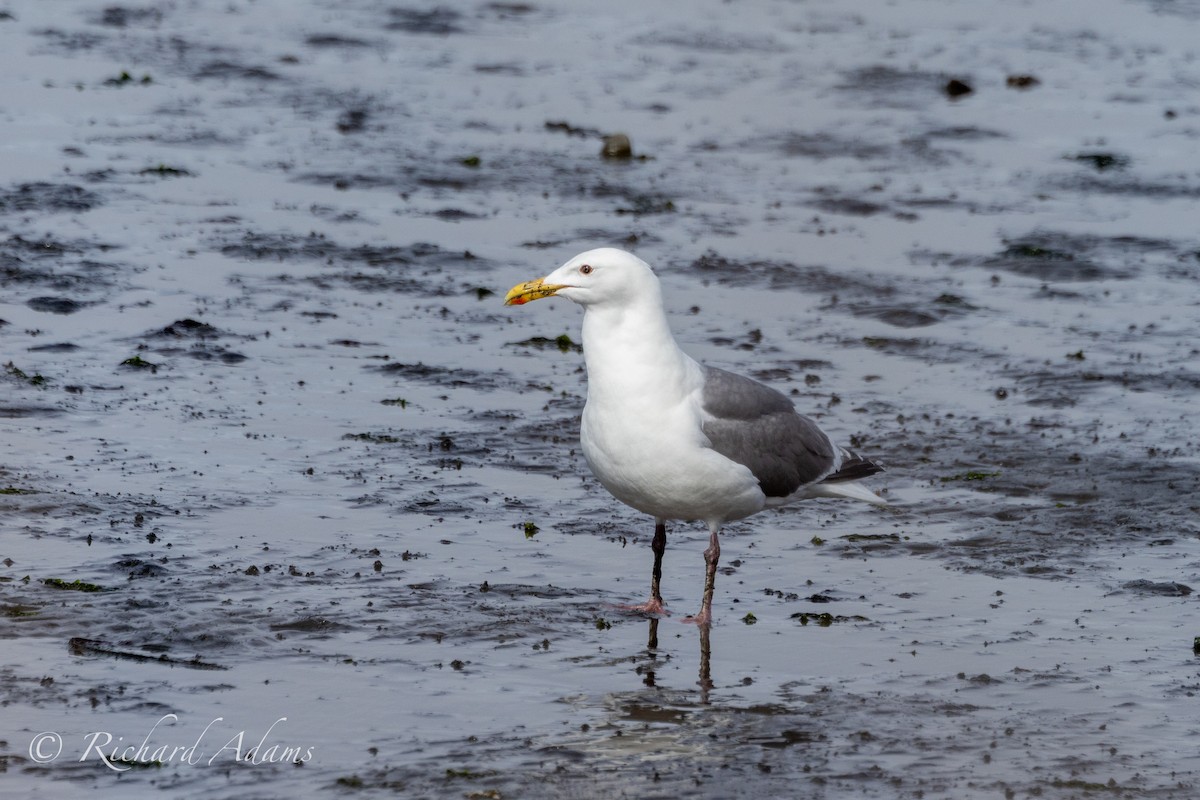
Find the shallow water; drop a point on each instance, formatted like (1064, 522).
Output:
(262, 396)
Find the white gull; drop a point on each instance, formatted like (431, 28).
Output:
(673, 438)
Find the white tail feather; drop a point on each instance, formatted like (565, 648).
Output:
(855, 491)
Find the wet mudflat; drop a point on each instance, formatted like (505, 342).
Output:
(292, 506)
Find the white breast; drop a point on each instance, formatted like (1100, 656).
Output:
(645, 446)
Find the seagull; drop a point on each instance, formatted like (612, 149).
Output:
(676, 439)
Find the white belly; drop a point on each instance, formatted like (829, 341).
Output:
(661, 466)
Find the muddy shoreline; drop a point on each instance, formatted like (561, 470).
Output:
(282, 481)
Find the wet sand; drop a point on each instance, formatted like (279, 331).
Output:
(293, 506)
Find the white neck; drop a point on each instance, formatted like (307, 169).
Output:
(631, 355)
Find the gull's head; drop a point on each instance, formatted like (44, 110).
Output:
(602, 276)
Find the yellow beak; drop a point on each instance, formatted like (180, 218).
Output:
(531, 290)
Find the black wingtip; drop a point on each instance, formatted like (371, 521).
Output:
(854, 467)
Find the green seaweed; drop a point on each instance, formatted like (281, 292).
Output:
(563, 342)
(17, 611)
(137, 362)
(73, 586)
(124, 79)
(163, 171)
(20, 374)
(872, 537)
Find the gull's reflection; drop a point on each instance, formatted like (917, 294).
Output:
(705, 682)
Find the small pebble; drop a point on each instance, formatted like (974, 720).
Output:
(617, 145)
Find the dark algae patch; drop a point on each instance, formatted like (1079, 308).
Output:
(970, 475)
(164, 171)
(563, 343)
(139, 363)
(1164, 588)
(434, 21)
(47, 197)
(12, 370)
(19, 611)
(824, 619)
(187, 329)
(56, 305)
(125, 78)
(79, 646)
(73, 586)
(1101, 162)
(372, 438)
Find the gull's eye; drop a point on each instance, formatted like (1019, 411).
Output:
(586, 269)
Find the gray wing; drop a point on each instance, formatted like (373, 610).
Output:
(758, 427)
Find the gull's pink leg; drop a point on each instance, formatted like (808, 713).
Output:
(659, 545)
(712, 555)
